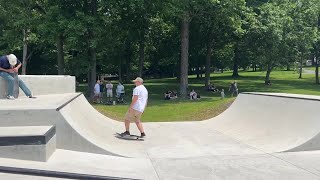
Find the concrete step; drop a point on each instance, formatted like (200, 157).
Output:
(36, 143)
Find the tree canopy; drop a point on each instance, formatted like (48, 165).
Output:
(156, 39)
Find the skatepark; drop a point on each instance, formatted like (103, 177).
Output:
(60, 135)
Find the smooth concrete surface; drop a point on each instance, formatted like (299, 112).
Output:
(252, 125)
(246, 167)
(43, 85)
(272, 123)
(267, 123)
(250, 140)
(220, 167)
(42, 111)
(92, 164)
(29, 152)
(23, 131)
(164, 139)
(308, 160)
(43, 102)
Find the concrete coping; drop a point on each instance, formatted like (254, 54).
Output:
(56, 174)
(26, 135)
(285, 95)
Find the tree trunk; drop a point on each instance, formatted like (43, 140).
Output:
(120, 69)
(155, 70)
(141, 54)
(128, 56)
(317, 70)
(198, 72)
(25, 52)
(184, 55)
(92, 52)
(93, 72)
(60, 54)
(208, 64)
(300, 69)
(317, 55)
(235, 73)
(288, 66)
(267, 79)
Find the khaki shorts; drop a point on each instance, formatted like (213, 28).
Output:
(133, 115)
(109, 94)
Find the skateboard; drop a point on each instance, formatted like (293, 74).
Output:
(15, 85)
(131, 137)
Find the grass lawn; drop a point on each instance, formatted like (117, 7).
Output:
(311, 68)
(210, 104)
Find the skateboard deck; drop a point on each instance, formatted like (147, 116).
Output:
(15, 85)
(131, 137)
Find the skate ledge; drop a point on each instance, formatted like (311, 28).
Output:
(286, 95)
(43, 85)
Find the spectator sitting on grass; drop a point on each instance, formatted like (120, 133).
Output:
(167, 95)
(211, 87)
(170, 95)
(173, 95)
(193, 95)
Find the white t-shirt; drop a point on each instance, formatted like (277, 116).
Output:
(97, 88)
(142, 94)
(120, 89)
(109, 87)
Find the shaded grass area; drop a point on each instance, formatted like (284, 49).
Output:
(210, 104)
(177, 110)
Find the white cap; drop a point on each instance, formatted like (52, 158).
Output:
(138, 79)
(12, 59)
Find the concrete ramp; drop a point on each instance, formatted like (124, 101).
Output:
(265, 121)
(254, 123)
(272, 122)
(47, 110)
(238, 144)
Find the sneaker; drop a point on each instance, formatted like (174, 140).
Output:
(143, 135)
(10, 97)
(126, 133)
(31, 96)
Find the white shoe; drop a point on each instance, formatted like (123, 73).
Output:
(11, 97)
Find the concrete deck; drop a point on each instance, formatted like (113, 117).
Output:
(290, 166)
(43, 85)
(250, 140)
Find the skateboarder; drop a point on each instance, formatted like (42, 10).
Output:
(9, 64)
(137, 107)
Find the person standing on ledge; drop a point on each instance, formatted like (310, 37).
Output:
(9, 64)
(137, 107)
